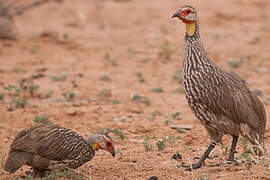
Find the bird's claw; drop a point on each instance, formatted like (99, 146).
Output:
(188, 167)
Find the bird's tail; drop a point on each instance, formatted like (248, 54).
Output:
(255, 138)
(15, 160)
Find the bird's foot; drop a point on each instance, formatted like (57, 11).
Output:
(224, 163)
(190, 168)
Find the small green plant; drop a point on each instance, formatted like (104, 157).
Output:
(105, 77)
(69, 95)
(34, 47)
(43, 120)
(33, 88)
(140, 77)
(62, 77)
(47, 94)
(146, 137)
(167, 139)
(14, 90)
(156, 113)
(65, 36)
(145, 60)
(158, 89)
(17, 70)
(204, 177)
(19, 102)
(66, 174)
(167, 121)
(175, 115)
(177, 75)
(116, 131)
(179, 90)
(111, 61)
(114, 101)
(246, 155)
(234, 63)
(105, 93)
(2, 96)
(138, 98)
(147, 145)
(180, 130)
(160, 144)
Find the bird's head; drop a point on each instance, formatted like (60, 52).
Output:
(187, 14)
(102, 141)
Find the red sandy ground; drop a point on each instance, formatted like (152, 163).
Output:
(74, 37)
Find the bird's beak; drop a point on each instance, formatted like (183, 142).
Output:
(176, 14)
(113, 153)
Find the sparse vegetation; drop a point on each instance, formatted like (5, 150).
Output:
(175, 115)
(69, 95)
(158, 89)
(43, 120)
(110, 60)
(105, 93)
(105, 77)
(47, 94)
(179, 90)
(2, 96)
(140, 77)
(177, 75)
(33, 88)
(160, 144)
(96, 53)
(57, 174)
(147, 145)
(61, 77)
(116, 131)
(19, 102)
(234, 63)
(246, 155)
(138, 98)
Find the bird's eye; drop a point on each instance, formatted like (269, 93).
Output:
(108, 144)
(188, 11)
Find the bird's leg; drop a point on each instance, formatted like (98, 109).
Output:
(232, 150)
(205, 155)
(37, 173)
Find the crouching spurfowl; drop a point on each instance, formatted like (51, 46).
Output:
(46, 148)
(219, 99)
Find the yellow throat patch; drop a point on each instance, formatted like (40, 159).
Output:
(95, 146)
(190, 28)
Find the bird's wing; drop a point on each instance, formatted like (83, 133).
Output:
(240, 104)
(52, 142)
(22, 135)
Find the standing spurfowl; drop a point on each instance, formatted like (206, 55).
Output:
(219, 99)
(51, 147)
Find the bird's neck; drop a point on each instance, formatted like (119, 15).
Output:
(194, 53)
(192, 29)
(92, 143)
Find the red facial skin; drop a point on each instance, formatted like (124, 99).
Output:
(183, 14)
(109, 145)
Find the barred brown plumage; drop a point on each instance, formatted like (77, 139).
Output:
(51, 147)
(219, 99)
